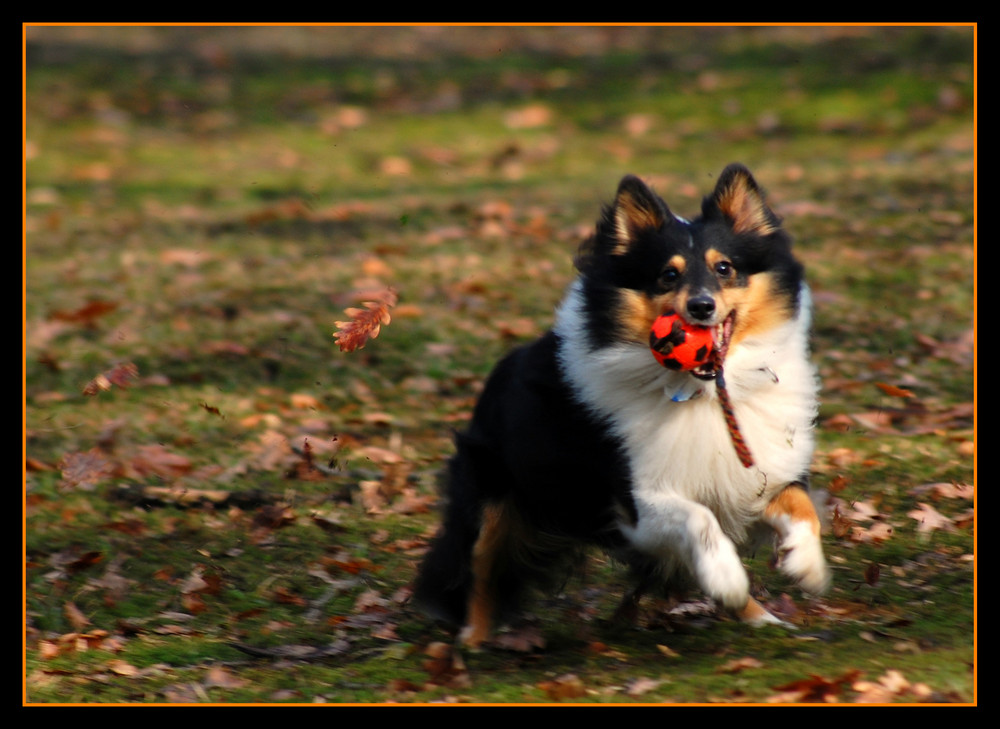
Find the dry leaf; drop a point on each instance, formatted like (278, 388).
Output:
(211, 409)
(641, 686)
(155, 460)
(87, 314)
(193, 603)
(523, 639)
(947, 490)
(195, 582)
(529, 117)
(75, 616)
(893, 390)
(445, 666)
(122, 668)
(815, 689)
(568, 686)
(121, 375)
(738, 664)
(930, 519)
(220, 677)
(372, 497)
(879, 531)
(303, 401)
(410, 501)
(364, 324)
(85, 470)
(840, 525)
(888, 687)
(49, 649)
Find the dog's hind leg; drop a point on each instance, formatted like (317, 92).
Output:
(486, 555)
(644, 574)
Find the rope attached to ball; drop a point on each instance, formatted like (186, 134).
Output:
(742, 450)
(680, 346)
(734, 429)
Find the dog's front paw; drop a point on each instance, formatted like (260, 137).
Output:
(800, 556)
(723, 577)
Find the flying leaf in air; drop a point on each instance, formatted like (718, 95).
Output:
(364, 324)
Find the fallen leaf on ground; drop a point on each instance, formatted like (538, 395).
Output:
(445, 666)
(641, 686)
(85, 470)
(220, 677)
(739, 664)
(75, 616)
(815, 689)
(568, 686)
(930, 519)
(889, 686)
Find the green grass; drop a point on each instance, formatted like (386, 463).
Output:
(231, 191)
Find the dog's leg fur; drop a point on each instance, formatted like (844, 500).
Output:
(800, 554)
(492, 539)
(677, 530)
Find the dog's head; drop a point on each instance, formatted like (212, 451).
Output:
(731, 268)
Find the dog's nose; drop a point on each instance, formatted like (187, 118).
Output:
(701, 307)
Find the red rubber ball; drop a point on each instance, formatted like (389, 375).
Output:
(678, 345)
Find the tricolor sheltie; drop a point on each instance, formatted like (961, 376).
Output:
(583, 438)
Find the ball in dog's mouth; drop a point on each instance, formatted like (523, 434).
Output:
(679, 345)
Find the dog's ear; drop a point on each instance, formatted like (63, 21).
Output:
(636, 208)
(738, 197)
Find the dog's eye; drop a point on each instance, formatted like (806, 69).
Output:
(724, 269)
(669, 276)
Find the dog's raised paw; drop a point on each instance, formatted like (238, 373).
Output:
(800, 556)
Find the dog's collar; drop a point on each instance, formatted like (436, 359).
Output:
(689, 390)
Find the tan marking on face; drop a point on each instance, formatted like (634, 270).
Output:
(757, 306)
(713, 256)
(637, 312)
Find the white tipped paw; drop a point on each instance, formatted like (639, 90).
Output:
(723, 577)
(800, 556)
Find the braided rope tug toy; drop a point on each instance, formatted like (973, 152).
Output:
(680, 346)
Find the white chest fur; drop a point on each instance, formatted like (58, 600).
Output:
(684, 448)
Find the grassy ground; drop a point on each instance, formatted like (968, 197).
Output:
(221, 506)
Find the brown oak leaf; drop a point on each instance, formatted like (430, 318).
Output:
(364, 324)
